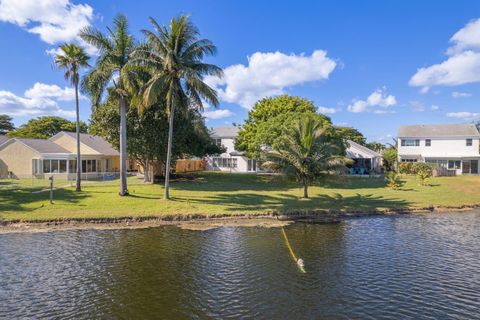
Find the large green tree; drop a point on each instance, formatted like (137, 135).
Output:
(115, 48)
(46, 127)
(70, 59)
(306, 152)
(148, 133)
(270, 117)
(6, 124)
(175, 57)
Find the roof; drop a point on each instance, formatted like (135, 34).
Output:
(364, 152)
(40, 145)
(3, 139)
(97, 143)
(438, 130)
(225, 132)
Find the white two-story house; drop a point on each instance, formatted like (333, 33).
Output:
(449, 146)
(231, 160)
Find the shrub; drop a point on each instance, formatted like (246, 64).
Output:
(393, 180)
(424, 171)
(405, 167)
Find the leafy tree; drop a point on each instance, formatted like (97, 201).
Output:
(376, 146)
(424, 171)
(306, 153)
(270, 117)
(6, 124)
(71, 58)
(46, 127)
(174, 56)
(349, 133)
(115, 49)
(148, 133)
(390, 156)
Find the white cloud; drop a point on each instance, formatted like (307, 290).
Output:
(269, 74)
(40, 100)
(462, 65)
(218, 114)
(53, 21)
(435, 107)
(465, 115)
(457, 94)
(466, 38)
(326, 110)
(42, 90)
(377, 98)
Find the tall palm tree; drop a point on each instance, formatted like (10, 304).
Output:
(115, 49)
(306, 153)
(174, 55)
(71, 58)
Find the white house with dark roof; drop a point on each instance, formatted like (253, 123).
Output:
(365, 159)
(453, 147)
(231, 160)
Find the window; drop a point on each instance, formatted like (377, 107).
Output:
(428, 142)
(89, 166)
(46, 166)
(35, 166)
(84, 165)
(72, 166)
(54, 166)
(218, 142)
(63, 166)
(410, 142)
(409, 160)
(225, 162)
(469, 142)
(454, 164)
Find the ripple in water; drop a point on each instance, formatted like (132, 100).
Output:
(415, 267)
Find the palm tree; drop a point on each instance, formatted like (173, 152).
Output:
(71, 58)
(114, 49)
(174, 57)
(305, 153)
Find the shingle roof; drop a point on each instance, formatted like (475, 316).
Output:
(42, 146)
(95, 142)
(225, 132)
(3, 139)
(438, 130)
(364, 150)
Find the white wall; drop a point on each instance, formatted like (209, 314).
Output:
(441, 148)
(242, 162)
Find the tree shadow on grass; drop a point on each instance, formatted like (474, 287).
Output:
(224, 182)
(20, 199)
(342, 182)
(286, 202)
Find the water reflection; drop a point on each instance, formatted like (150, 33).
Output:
(386, 267)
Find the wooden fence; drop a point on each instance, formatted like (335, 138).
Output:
(189, 165)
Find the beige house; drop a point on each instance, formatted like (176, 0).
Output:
(22, 157)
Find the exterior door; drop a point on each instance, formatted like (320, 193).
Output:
(251, 165)
(474, 167)
(466, 166)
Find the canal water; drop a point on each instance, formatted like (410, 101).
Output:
(402, 267)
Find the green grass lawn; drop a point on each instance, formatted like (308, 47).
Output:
(218, 193)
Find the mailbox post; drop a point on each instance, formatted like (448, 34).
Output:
(51, 189)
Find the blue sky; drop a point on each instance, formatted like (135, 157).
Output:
(373, 65)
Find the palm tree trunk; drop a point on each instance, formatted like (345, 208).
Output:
(78, 186)
(166, 194)
(305, 190)
(123, 148)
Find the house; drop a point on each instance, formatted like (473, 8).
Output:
(231, 160)
(364, 159)
(451, 147)
(39, 158)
